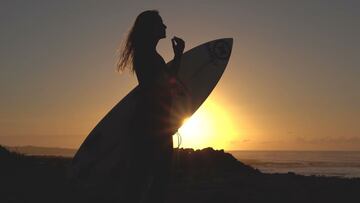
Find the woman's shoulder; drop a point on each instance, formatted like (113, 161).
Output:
(154, 60)
(160, 59)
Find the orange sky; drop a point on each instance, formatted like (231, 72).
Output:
(292, 82)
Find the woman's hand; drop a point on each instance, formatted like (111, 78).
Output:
(178, 46)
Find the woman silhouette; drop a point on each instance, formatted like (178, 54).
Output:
(151, 166)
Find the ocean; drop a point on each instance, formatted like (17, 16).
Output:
(323, 163)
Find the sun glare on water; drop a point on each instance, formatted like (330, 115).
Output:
(210, 126)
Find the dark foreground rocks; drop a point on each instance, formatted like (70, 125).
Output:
(201, 176)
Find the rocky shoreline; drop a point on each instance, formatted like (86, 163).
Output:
(205, 175)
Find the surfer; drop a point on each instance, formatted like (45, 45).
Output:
(150, 169)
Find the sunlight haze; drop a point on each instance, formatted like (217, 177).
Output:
(292, 82)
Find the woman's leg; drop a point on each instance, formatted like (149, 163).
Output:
(161, 171)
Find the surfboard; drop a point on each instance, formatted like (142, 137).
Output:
(107, 146)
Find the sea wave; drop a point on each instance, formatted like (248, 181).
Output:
(339, 164)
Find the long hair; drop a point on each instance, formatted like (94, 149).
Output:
(136, 38)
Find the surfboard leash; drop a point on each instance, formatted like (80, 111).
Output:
(178, 149)
(179, 139)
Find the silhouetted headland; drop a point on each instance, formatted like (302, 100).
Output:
(205, 175)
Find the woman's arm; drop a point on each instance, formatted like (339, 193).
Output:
(178, 47)
(175, 65)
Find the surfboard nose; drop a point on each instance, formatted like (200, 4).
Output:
(220, 49)
(229, 40)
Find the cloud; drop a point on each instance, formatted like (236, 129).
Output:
(329, 140)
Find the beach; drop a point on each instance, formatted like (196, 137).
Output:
(205, 175)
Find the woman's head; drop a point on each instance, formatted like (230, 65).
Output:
(148, 28)
(149, 25)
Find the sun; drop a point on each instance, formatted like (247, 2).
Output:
(210, 126)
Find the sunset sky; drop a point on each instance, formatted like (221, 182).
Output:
(292, 83)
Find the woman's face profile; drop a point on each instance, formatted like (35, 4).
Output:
(159, 28)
